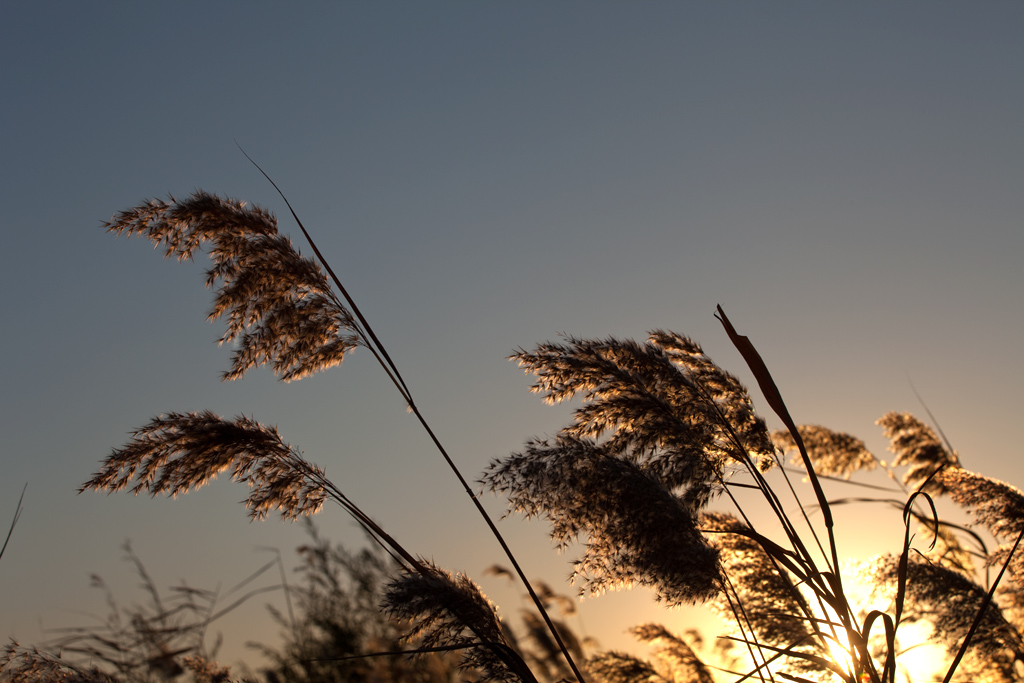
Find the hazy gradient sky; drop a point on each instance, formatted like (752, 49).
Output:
(847, 180)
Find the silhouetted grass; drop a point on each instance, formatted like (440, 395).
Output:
(660, 435)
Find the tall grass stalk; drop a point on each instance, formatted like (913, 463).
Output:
(14, 520)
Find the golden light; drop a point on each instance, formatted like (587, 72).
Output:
(839, 650)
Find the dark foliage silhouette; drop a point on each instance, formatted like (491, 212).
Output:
(659, 435)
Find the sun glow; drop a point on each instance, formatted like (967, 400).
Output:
(839, 650)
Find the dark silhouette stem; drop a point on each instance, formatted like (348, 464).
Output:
(14, 522)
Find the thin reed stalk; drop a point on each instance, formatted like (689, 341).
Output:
(14, 520)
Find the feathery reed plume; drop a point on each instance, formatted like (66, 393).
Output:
(637, 531)
(833, 453)
(179, 452)
(678, 660)
(917, 446)
(278, 305)
(674, 661)
(663, 403)
(545, 657)
(619, 667)
(949, 602)
(774, 609)
(1011, 592)
(23, 665)
(451, 612)
(999, 506)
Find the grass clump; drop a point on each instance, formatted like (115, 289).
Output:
(660, 435)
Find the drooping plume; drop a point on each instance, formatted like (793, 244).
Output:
(917, 447)
(279, 307)
(997, 505)
(772, 606)
(833, 453)
(949, 602)
(662, 403)
(180, 452)
(637, 531)
(620, 667)
(660, 430)
(677, 659)
(452, 611)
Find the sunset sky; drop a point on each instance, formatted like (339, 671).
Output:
(846, 180)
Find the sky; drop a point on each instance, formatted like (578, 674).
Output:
(844, 179)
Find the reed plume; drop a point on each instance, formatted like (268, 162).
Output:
(180, 452)
(29, 665)
(775, 612)
(278, 306)
(673, 425)
(663, 404)
(674, 661)
(833, 453)
(619, 667)
(917, 447)
(677, 659)
(949, 602)
(637, 532)
(1000, 508)
(451, 612)
(996, 505)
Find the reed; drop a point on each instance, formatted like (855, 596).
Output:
(660, 434)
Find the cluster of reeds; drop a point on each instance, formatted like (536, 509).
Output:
(660, 434)
(150, 642)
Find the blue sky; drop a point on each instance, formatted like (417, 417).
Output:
(844, 179)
